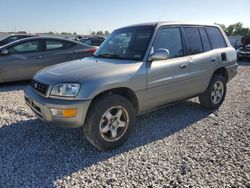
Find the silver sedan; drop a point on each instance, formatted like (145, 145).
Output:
(20, 60)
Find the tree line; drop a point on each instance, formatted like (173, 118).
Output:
(102, 33)
(236, 29)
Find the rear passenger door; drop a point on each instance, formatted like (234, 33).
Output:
(203, 59)
(168, 80)
(57, 51)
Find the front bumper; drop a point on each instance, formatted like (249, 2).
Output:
(41, 107)
(243, 55)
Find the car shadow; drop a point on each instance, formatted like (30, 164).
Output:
(34, 151)
(12, 86)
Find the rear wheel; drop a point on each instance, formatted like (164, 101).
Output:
(109, 122)
(215, 94)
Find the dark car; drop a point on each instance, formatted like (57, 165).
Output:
(93, 41)
(20, 60)
(235, 41)
(13, 38)
(244, 51)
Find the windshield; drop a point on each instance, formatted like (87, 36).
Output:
(127, 43)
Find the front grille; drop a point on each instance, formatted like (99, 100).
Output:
(40, 88)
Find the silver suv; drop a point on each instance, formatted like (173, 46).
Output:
(137, 69)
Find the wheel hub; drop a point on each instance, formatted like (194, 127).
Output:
(217, 92)
(114, 123)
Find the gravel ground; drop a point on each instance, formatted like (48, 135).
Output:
(179, 146)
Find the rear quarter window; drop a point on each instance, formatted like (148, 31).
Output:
(215, 37)
(58, 44)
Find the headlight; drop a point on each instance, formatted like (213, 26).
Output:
(66, 89)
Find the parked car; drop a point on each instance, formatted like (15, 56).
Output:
(93, 41)
(243, 52)
(20, 60)
(137, 69)
(13, 38)
(235, 41)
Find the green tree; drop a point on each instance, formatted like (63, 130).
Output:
(93, 33)
(235, 29)
(106, 33)
(99, 33)
(222, 27)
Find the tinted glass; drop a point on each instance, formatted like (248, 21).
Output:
(32, 46)
(96, 42)
(12, 39)
(170, 39)
(215, 37)
(57, 44)
(128, 43)
(193, 39)
(205, 40)
(86, 41)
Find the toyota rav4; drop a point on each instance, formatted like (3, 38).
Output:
(137, 69)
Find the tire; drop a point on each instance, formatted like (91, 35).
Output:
(209, 98)
(100, 126)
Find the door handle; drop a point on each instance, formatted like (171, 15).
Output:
(213, 59)
(183, 66)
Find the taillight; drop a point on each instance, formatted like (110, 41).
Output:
(91, 50)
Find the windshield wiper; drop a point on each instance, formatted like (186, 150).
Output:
(108, 56)
(114, 56)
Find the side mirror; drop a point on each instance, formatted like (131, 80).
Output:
(160, 54)
(4, 52)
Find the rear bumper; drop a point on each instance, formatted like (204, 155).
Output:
(232, 70)
(41, 107)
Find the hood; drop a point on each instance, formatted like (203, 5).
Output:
(87, 68)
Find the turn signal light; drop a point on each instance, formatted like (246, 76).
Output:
(65, 113)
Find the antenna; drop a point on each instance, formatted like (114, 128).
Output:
(158, 19)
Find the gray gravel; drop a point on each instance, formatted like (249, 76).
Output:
(179, 146)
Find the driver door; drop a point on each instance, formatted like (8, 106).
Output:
(22, 61)
(168, 80)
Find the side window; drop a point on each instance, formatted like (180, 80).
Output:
(216, 38)
(169, 38)
(27, 47)
(88, 42)
(12, 39)
(193, 39)
(205, 40)
(57, 44)
(97, 42)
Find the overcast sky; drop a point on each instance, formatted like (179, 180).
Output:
(83, 16)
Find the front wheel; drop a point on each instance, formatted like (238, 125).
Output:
(215, 94)
(109, 122)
